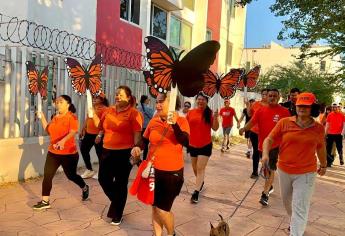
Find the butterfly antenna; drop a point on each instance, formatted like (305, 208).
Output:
(174, 53)
(179, 55)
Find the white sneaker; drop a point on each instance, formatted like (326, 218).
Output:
(95, 176)
(88, 174)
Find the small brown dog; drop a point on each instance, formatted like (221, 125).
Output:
(222, 229)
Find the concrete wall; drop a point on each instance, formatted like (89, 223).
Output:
(24, 158)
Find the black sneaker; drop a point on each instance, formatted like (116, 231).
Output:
(195, 197)
(264, 199)
(85, 193)
(116, 221)
(254, 176)
(341, 162)
(41, 205)
(202, 187)
(271, 190)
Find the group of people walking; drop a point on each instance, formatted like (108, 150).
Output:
(278, 135)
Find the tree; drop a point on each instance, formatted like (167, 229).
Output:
(309, 21)
(302, 76)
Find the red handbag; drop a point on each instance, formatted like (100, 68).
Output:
(144, 188)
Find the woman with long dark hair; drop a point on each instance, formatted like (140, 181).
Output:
(302, 143)
(201, 121)
(122, 125)
(91, 136)
(62, 150)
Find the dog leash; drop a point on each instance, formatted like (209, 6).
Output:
(244, 198)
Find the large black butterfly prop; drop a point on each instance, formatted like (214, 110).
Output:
(38, 82)
(225, 85)
(167, 69)
(85, 78)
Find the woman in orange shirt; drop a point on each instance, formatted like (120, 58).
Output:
(62, 149)
(201, 121)
(91, 136)
(168, 162)
(122, 126)
(301, 138)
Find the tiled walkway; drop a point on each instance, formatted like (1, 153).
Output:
(226, 183)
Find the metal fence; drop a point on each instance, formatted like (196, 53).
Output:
(17, 106)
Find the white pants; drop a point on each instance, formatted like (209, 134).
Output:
(296, 191)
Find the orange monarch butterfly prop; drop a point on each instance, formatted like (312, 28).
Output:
(225, 86)
(166, 68)
(249, 80)
(86, 79)
(38, 83)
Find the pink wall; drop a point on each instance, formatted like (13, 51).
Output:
(114, 32)
(213, 23)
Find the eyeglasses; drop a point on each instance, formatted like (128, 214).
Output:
(187, 106)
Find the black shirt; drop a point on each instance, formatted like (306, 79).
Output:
(290, 106)
(247, 118)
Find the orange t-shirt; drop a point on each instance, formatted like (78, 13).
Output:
(227, 114)
(298, 146)
(119, 127)
(200, 132)
(335, 122)
(266, 118)
(256, 106)
(90, 125)
(58, 128)
(169, 154)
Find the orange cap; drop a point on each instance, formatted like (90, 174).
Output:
(306, 99)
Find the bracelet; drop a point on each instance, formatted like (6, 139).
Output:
(99, 135)
(323, 167)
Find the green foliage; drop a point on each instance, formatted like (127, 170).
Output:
(311, 21)
(304, 77)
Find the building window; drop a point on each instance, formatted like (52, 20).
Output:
(130, 10)
(180, 35)
(229, 54)
(232, 8)
(159, 22)
(189, 4)
(208, 35)
(323, 66)
(175, 31)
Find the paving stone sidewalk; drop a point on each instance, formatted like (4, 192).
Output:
(227, 181)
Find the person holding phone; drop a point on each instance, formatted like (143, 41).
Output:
(201, 120)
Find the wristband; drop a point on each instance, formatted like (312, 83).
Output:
(323, 167)
(99, 135)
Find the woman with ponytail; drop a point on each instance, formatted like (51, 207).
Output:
(122, 125)
(62, 149)
(201, 121)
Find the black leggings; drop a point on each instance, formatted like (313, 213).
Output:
(69, 165)
(338, 139)
(113, 177)
(256, 156)
(146, 145)
(85, 147)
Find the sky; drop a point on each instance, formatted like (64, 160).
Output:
(262, 26)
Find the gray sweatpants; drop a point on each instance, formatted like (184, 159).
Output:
(296, 191)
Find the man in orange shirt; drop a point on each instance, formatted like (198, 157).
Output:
(254, 132)
(334, 130)
(227, 113)
(266, 118)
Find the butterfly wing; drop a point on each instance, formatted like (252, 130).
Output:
(93, 76)
(77, 73)
(43, 82)
(33, 77)
(250, 79)
(161, 62)
(189, 71)
(253, 77)
(229, 82)
(149, 81)
(210, 83)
